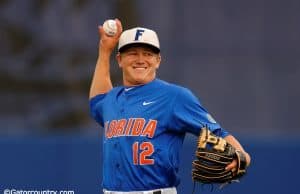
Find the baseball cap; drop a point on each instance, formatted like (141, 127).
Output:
(137, 36)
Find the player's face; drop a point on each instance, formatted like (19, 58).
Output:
(139, 65)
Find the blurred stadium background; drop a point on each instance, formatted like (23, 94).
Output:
(240, 57)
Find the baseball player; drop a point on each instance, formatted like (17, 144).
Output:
(146, 119)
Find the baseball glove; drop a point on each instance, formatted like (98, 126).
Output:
(213, 154)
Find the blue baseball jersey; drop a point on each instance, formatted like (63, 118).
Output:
(144, 130)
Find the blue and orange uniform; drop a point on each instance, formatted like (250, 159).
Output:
(145, 127)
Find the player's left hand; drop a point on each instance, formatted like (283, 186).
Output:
(232, 165)
(217, 160)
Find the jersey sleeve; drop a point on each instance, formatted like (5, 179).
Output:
(188, 115)
(96, 106)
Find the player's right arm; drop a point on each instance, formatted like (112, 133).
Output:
(101, 82)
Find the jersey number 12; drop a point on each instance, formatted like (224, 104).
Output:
(141, 153)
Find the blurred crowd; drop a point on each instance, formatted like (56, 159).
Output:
(241, 58)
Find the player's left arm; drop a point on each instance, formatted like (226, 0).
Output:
(235, 143)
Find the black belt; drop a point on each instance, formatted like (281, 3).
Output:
(156, 192)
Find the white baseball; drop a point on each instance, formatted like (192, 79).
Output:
(110, 27)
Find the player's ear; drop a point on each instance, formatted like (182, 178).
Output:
(118, 58)
(158, 59)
